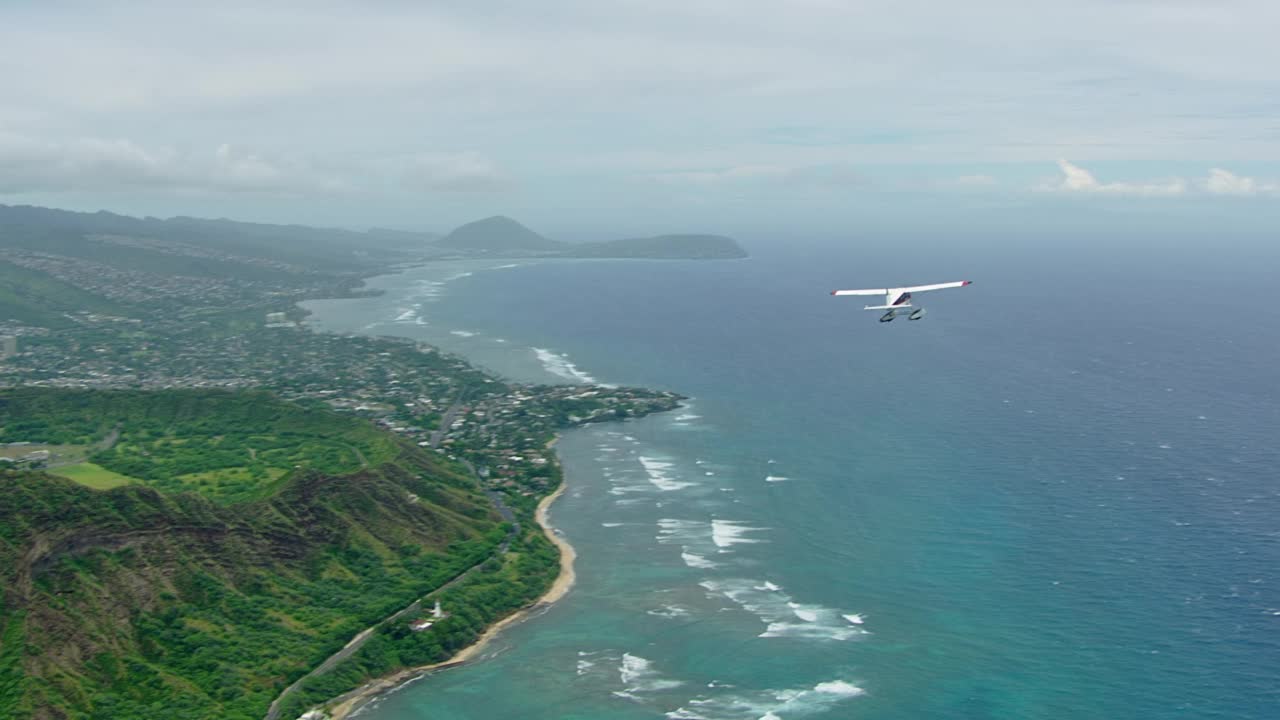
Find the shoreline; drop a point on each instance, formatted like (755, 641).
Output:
(350, 702)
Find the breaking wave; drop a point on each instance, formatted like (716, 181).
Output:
(559, 364)
(782, 615)
(657, 472)
(768, 704)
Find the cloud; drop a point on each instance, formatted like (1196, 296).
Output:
(1076, 179)
(1225, 182)
(578, 97)
(30, 164)
(736, 174)
(454, 172)
(820, 175)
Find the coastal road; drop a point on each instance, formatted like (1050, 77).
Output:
(357, 642)
(445, 420)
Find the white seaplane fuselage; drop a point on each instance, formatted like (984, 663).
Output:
(899, 299)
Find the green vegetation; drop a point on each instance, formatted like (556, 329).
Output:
(192, 552)
(140, 604)
(227, 446)
(93, 476)
(497, 589)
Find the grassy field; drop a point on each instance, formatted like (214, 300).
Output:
(91, 475)
(234, 481)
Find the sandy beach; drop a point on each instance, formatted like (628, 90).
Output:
(344, 705)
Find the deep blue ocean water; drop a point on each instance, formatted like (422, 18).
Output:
(1055, 497)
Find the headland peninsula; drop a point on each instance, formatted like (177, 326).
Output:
(208, 508)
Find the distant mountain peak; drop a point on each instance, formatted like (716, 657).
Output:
(497, 232)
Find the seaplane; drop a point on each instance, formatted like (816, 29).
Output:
(898, 299)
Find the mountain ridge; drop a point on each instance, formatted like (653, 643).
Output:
(501, 234)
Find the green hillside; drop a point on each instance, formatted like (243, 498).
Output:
(137, 603)
(32, 297)
(227, 446)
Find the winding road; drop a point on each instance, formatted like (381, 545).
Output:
(355, 643)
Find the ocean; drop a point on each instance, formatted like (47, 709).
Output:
(1055, 497)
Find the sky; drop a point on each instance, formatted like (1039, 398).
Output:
(619, 117)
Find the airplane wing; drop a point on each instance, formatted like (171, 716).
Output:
(938, 286)
(877, 291)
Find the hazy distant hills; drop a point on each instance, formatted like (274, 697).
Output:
(218, 247)
(498, 235)
(78, 234)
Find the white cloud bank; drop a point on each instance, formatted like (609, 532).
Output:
(1225, 182)
(29, 164)
(43, 165)
(454, 172)
(1078, 180)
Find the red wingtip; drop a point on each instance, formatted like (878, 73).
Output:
(967, 282)
(833, 292)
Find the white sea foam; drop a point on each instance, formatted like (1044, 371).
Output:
(627, 489)
(768, 704)
(657, 470)
(672, 530)
(802, 612)
(854, 618)
(670, 611)
(584, 666)
(559, 364)
(776, 478)
(839, 687)
(696, 539)
(428, 290)
(462, 333)
(697, 561)
(686, 417)
(639, 676)
(506, 267)
(611, 525)
(726, 533)
(784, 617)
(406, 315)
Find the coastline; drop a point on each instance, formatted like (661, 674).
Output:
(348, 703)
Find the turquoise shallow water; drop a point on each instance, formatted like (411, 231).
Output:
(1056, 497)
